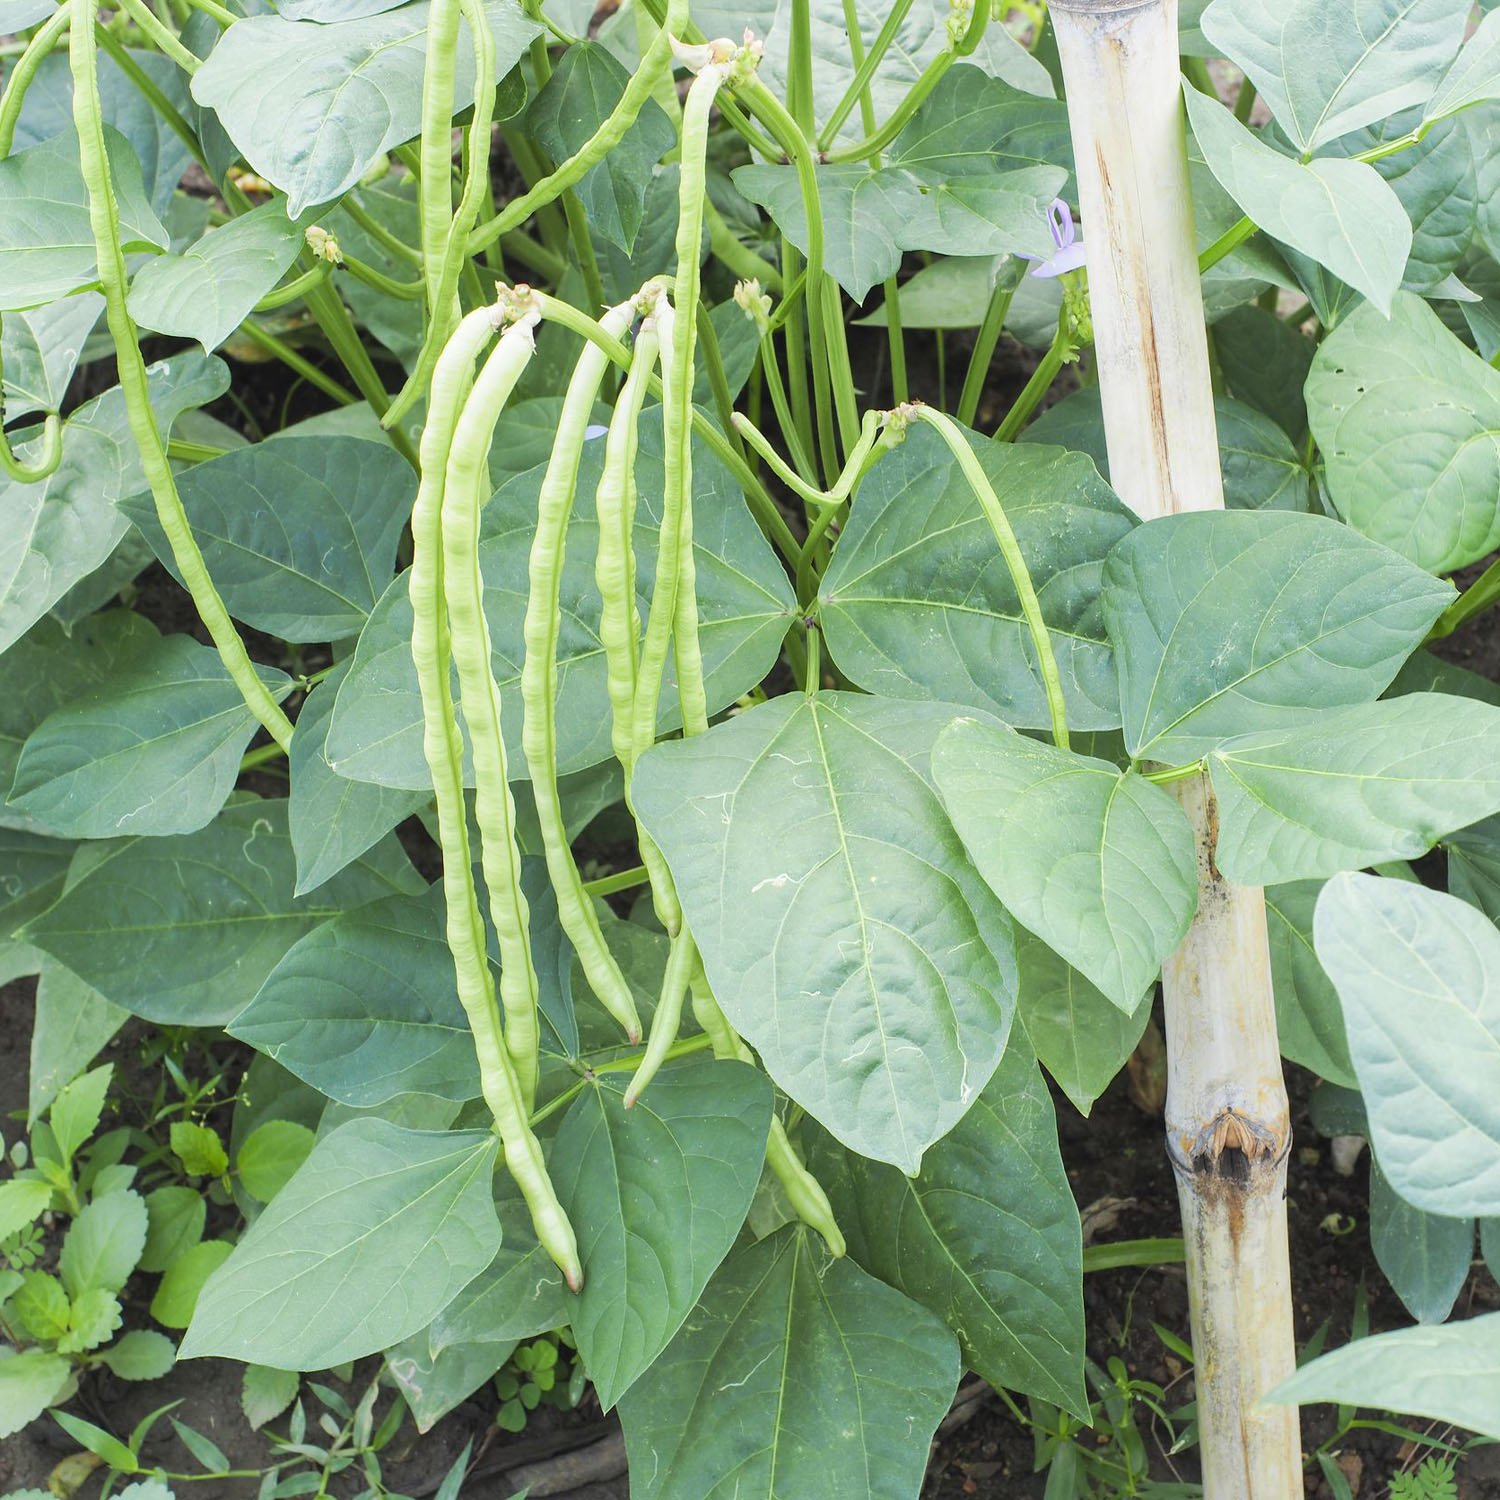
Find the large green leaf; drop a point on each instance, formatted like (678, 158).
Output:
(658, 1193)
(744, 603)
(1080, 1037)
(520, 1293)
(865, 215)
(1382, 781)
(299, 533)
(364, 1007)
(844, 931)
(1474, 865)
(1425, 1257)
(1261, 468)
(795, 1376)
(42, 348)
(206, 292)
(1326, 70)
(313, 107)
(59, 531)
(46, 241)
(1408, 422)
(1229, 622)
(1418, 975)
(918, 602)
(971, 174)
(161, 155)
(185, 929)
(1473, 76)
(987, 1237)
(1265, 363)
(584, 87)
(49, 668)
(1309, 1023)
(331, 818)
(1098, 862)
(433, 1382)
(1341, 214)
(155, 750)
(378, 1231)
(1451, 1374)
(921, 36)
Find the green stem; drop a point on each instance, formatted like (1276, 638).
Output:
(771, 520)
(1226, 244)
(874, 144)
(1480, 595)
(984, 350)
(604, 139)
(145, 85)
(1057, 355)
(193, 453)
(1010, 550)
(741, 261)
(37, 50)
(790, 435)
(294, 289)
(1245, 102)
(622, 880)
(403, 291)
(391, 243)
(1165, 775)
(327, 307)
(159, 36)
(865, 64)
(260, 756)
(104, 218)
(294, 361)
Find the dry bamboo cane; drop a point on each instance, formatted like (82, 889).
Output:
(1228, 1132)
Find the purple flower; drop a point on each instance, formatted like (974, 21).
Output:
(1068, 255)
(592, 431)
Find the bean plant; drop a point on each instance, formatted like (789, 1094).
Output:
(521, 603)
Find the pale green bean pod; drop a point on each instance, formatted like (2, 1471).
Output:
(539, 677)
(465, 489)
(615, 574)
(803, 1191)
(443, 748)
(104, 220)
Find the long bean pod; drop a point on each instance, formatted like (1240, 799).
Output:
(678, 329)
(104, 219)
(611, 132)
(803, 1191)
(615, 574)
(1010, 550)
(445, 231)
(464, 492)
(17, 468)
(38, 49)
(431, 648)
(539, 676)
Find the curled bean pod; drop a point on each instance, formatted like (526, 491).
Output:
(539, 677)
(51, 455)
(104, 220)
(803, 1191)
(443, 748)
(1010, 550)
(464, 491)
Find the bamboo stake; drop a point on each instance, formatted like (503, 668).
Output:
(1228, 1132)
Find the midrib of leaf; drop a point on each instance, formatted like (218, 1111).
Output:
(1254, 671)
(1349, 76)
